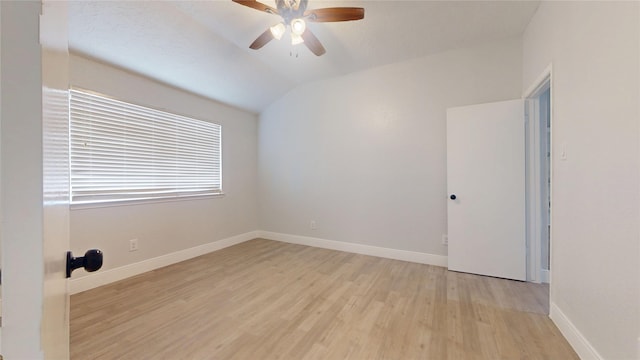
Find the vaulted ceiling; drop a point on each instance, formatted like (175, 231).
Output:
(203, 46)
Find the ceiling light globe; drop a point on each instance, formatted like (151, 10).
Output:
(278, 30)
(296, 39)
(298, 26)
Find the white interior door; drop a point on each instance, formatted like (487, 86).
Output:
(486, 176)
(55, 159)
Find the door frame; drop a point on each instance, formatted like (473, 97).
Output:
(534, 193)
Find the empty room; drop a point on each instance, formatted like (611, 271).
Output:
(318, 179)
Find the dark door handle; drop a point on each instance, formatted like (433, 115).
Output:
(91, 261)
(452, 197)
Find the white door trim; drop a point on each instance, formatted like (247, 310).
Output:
(534, 185)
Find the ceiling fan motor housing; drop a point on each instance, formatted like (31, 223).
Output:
(291, 9)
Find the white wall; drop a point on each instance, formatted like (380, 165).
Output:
(364, 154)
(167, 227)
(21, 169)
(594, 48)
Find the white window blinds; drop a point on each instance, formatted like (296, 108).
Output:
(120, 151)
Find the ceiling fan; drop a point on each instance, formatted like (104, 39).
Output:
(294, 14)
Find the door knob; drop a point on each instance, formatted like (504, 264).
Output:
(91, 261)
(453, 197)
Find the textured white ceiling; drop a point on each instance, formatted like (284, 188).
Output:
(203, 46)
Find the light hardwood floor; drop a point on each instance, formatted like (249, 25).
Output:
(269, 300)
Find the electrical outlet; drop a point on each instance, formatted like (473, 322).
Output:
(445, 239)
(312, 225)
(133, 245)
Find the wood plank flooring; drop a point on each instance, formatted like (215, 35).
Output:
(269, 300)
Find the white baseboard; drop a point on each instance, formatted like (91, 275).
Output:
(575, 338)
(105, 277)
(411, 256)
(100, 278)
(545, 276)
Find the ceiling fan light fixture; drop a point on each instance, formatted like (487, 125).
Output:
(296, 39)
(294, 14)
(278, 30)
(298, 26)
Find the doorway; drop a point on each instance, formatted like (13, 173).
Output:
(538, 114)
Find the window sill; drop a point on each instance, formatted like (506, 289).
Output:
(118, 203)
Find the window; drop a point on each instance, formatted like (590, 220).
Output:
(120, 151)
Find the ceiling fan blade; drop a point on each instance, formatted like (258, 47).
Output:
(262, 40)
(334, 14)
(257, 5)
(312, 42)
